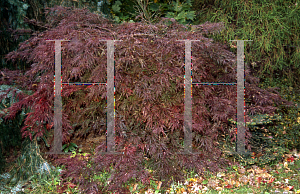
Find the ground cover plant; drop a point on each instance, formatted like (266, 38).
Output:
(281, 177)
(131, 59)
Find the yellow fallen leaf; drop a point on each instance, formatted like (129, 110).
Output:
(237, 184)
(288, 188)
(193, 180)
(232, 182)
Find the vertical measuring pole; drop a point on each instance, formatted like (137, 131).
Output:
(187, 127)
(240, 144)
(110, 121)
(110, 97)
(188, 99)
(240, 136)
(57, 148)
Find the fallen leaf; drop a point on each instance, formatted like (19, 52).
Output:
(212, 183)
(241, 170)
(228, 186)
(237, 184)
(258, 171)
(271, 180)
(265, 175)
(291, 159)
(159, 185)
(250, 170)
(244, 179)
(259, 179)
(199, 180)
(219, 188)
(134, 187)
(289, 188)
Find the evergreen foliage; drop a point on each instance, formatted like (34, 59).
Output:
(11, 18)
(286, 131)
(263, 141)
(28, 165)
(10, 134)
(149, 91)
(273, 26)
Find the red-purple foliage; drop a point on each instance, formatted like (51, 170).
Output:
(149, 85)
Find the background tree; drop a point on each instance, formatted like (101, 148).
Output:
(19, 20)
(273, 27)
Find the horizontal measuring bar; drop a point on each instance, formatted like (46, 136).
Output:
(214, 83)
(83, 83)
(192, 83)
